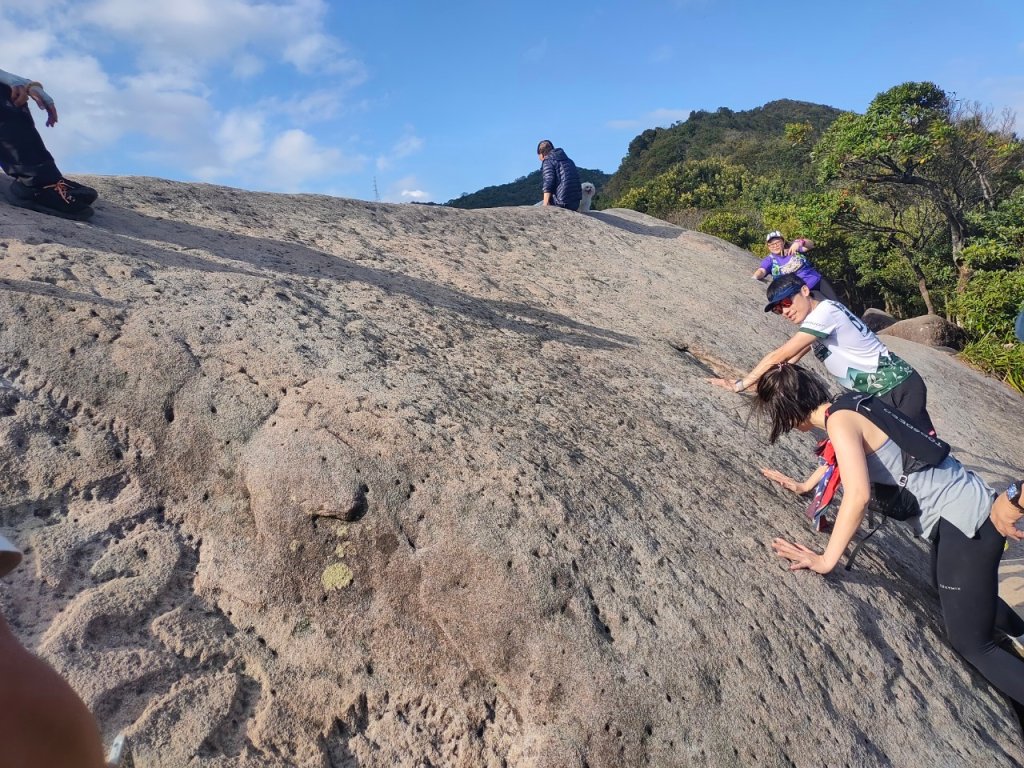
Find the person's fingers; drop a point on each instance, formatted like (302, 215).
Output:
(784, 549)
(19, 95)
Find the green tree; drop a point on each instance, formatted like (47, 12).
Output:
(700, 184)
(915, 137)
(737, 228)
(995, 293)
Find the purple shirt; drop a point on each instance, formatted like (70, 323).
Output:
(776, 266)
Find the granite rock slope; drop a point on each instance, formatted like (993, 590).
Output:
(311, 481)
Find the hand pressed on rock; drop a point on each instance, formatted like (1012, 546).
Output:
(787, 482)
(800, 557)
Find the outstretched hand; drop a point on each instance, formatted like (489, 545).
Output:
(20, 94)
(729, 384)
(800, 557)
(787, 482)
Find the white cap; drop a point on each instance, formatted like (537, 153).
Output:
(10, 556)
(773, 235)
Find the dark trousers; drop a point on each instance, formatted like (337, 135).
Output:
(824, 287)
(22, 152)
(910, 397)
(966, 572)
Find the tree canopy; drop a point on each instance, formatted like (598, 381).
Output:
(915, 206)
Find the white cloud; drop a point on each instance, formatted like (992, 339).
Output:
(247, 65)
(295, 157)
(176, 104)
(406, 189)
(241, 136)
(408, 144)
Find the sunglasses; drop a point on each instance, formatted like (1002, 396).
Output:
(783, 304)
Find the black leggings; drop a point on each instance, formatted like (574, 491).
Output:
(966, 572)
(824, 287)
(910, 397)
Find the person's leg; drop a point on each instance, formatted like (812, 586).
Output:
(23, 155)
(824, 287)
(910, 397)
(968, 577)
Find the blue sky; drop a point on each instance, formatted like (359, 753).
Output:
(432, 99)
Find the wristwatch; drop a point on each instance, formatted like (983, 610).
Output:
(1014, 491)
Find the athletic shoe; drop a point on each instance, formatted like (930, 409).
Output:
(62, 198)
(81, 192)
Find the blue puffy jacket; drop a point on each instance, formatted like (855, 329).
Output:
(562, 180)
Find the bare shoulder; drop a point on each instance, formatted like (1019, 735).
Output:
(849, 425)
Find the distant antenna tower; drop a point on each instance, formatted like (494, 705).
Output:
(376, 194)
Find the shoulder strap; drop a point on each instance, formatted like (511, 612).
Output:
(919, 449)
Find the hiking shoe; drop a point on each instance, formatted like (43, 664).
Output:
(63, 198)
(81, 192)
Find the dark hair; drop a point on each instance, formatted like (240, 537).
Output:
(787, 394)
(545, 147)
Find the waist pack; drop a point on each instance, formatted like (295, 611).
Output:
(919, 449)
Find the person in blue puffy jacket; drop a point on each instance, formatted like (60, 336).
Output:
(561, 180)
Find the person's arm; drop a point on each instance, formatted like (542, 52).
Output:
(800, 245)
(549, 183)
(848, 441)
(44, 721)
(759, 273)
(23, 89)
(11, 80)
(799, 355)
(794, 348)
(794, 485)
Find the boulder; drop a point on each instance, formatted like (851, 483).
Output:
(877, 319)
(930, 330)
(311, 481)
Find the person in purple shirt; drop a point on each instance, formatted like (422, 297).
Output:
(783, 259)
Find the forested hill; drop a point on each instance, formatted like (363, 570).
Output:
(753, 139)
(523, 191)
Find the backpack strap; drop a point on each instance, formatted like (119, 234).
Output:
(920, 450)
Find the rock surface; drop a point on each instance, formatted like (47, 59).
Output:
(931, 330)
(311, 481)
(876, 319)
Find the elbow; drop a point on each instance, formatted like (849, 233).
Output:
(857, 498)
